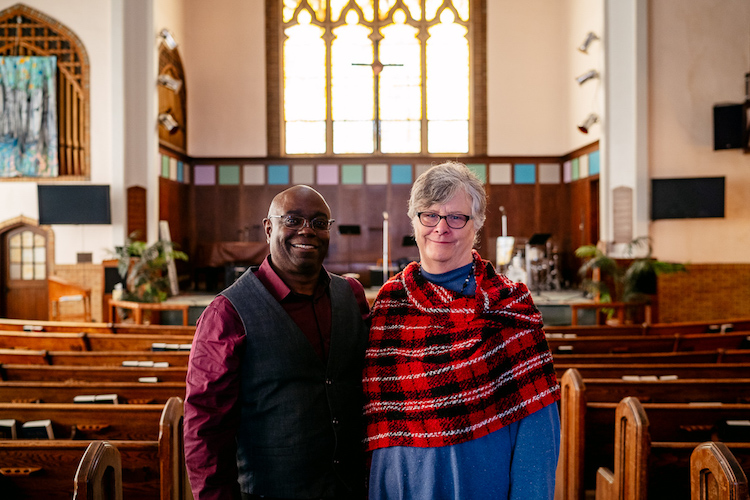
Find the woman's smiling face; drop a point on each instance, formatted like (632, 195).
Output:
(443, 248)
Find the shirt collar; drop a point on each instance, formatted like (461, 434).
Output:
(279, 290)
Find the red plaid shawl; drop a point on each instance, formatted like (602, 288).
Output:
(443, 369)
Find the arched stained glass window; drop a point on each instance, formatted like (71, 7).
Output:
(376, 77)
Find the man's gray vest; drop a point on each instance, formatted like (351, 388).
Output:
(301, 425)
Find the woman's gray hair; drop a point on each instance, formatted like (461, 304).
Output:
(441, 183)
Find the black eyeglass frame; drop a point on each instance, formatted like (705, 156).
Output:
(465, 218)
(288, 222)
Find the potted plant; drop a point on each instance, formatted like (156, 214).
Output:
(610, 281)
(143, 268)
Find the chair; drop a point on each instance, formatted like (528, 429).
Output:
(64, 292)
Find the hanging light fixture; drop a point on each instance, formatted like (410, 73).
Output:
(586, 125)
(168, 39)
(587, 76)
(168, 122)
(590, 37)
(174, 84)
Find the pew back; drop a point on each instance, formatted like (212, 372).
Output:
(99, 473)
(64, 392)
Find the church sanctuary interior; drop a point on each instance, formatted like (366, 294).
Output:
(617, 126)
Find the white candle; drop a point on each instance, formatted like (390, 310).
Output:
(505, 225)
(385, 247)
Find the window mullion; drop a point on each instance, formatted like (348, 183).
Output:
(329, 84)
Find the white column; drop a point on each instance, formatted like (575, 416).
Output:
(624, 145)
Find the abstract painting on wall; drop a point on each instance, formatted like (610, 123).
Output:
(28, 117)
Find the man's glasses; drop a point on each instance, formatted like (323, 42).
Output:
(454, 221)
(296, 223)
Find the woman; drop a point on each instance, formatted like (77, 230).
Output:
(461, 394)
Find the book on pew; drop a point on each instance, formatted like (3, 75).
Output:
(148, 380)
(37, 429)
(734, 430)
(8, 428)
(97, 399)
(163, 346)
(33, 328)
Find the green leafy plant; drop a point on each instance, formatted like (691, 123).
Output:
(636, 283)
(144, 268)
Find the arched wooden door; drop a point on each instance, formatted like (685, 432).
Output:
(24, 277)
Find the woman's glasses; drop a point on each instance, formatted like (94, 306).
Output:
(454, 221)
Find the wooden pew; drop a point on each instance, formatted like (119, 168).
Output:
(87, 341)
(152, 469)
(64, 392)
(45, 469)
(658, 370)
(736, 324)
(646, 469)
(30, 372)
(649, 343)
(711, 356)
(715, 474)
(632, 445)
(20, 325)
(587, 407)
(130, 328)
(99, 473)
(595, 330)
(90, 358)
(670, 391)
(135, 422)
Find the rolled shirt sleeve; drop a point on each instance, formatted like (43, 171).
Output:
(211, 410)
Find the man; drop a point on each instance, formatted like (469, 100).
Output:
(274, 393)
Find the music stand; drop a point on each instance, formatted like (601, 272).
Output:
(349, 230)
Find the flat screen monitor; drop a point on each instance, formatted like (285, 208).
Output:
(690, 198)
(79, 204)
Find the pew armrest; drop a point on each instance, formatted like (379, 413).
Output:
(605, 483)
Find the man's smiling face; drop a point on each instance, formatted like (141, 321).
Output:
(297, 251)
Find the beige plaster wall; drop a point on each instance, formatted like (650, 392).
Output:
(224, 60)
(699, 52)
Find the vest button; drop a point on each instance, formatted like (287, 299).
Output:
(335, 421)
(336, 462)
(329, 381)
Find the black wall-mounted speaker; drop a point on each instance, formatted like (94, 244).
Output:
(729, 126)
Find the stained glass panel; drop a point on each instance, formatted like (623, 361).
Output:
(305, 87)
(352, 89)
(318, 6)
(383, 94)
(400, 136)
(305, 137)
(353, 137)
(400, 80)
(367, 6)
(447, 87)
(448, 137)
